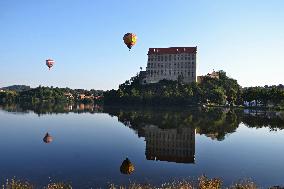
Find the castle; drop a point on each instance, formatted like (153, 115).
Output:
(171, 63)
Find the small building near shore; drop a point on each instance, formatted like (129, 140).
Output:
(214, 74)
(83, 96)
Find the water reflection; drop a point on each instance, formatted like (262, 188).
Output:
(172, 145)
(49, 108)
(127, 167)
(47, 138)
(169, 132)
(214, 123)
(99, 143)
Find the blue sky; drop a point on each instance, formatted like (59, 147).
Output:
(245, 38)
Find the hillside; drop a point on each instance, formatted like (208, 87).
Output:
(18, 88)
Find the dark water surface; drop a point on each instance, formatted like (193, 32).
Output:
(89, 145)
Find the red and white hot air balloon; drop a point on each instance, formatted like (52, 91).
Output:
(49, 63)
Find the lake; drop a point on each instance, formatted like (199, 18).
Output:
(90, 143)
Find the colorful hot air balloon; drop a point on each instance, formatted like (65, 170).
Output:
(130, 40)
(47, 138)
(49, 63)
(126, 167)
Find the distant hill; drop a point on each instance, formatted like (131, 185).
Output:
(17, 88)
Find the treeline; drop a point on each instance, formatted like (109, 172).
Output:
(264, 96)
(211, 91)
(50, 95)
(17, 88)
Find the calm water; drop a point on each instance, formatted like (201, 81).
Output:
(89, 145)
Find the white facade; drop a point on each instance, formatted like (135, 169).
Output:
(171, 63)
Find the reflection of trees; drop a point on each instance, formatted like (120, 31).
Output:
(13, 108)
(51, 108)
(215, 123)
(273, 120)
(212, 122)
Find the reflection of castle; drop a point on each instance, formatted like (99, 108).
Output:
(173, 145)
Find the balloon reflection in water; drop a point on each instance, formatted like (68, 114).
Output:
(47, 138)
(126, 167)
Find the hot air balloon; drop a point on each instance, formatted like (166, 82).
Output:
(130, 40)
(49, 63)
(47, 138)
(126, 167)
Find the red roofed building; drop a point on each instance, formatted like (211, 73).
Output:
(170, 64)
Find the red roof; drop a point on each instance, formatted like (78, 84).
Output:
(172, 50)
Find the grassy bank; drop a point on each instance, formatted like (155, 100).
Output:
(202, 183)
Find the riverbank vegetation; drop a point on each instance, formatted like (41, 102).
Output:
(222, 91)
(210, 91)
(51, 95)
(202, 183)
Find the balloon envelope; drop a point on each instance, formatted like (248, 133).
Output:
(49, 63)
(130, 40)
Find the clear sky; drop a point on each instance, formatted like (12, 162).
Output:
(245, 38)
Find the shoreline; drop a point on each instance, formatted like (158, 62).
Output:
(202, 182)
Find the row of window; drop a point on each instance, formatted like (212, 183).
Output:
(167, 56)
(173, 151)
(170, 72)
(170, 59)
(182, 64)
(172, 135)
